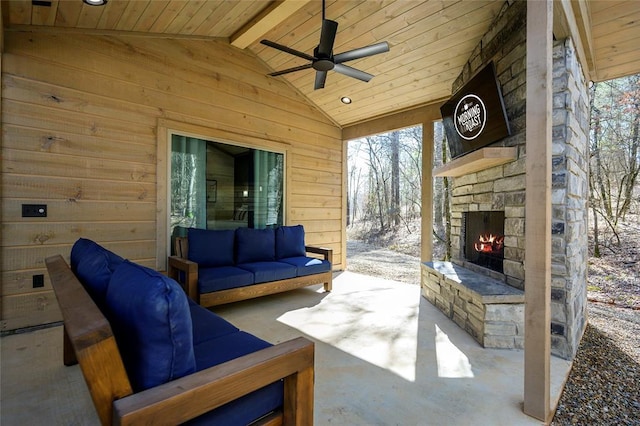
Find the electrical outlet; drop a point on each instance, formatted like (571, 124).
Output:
(34, 210)
(38, 281)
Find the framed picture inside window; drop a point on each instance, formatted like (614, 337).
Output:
(212, 190)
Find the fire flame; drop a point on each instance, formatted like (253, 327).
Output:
(489, 243)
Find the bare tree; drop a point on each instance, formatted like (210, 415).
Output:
(614, 151)
(388, 174)
(394, 138)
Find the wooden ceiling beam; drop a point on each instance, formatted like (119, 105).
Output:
(571, 19)
(398, 120)
(270, 17)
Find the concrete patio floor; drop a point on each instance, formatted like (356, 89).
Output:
(384, 356)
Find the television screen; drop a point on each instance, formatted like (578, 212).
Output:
(475, 116)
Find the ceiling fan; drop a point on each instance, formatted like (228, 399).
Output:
(323, 59)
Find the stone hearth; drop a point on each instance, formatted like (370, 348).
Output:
(489, 310)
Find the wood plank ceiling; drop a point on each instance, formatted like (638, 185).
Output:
(430, 40)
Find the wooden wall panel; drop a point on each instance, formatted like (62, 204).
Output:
(80, 133)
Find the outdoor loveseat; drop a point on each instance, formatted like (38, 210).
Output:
(217, 267)
(150, 355)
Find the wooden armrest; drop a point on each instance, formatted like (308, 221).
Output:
(190, 396)
(189, 281)
(327, 253)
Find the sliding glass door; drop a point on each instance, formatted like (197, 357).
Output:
(222, 186)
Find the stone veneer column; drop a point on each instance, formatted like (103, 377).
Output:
(570, 192)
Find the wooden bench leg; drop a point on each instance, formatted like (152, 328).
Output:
(298, 398)
(328, 286)
(68, 353)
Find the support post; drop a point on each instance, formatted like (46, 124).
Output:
(538, 210)
(426, 226)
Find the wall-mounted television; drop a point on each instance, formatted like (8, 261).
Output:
(475, 115)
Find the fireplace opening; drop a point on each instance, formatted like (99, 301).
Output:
(483, 234)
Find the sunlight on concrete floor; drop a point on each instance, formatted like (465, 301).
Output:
(384, 355)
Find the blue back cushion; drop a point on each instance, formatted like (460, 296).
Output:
(290, 241)
(94, 265)
(150, 317)
(255, 245)
(211, 248)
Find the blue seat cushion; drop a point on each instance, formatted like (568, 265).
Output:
(94, 265)
(222, 278)
(255, 245)
(250, 407)
(211, 248)
(151, 320)
(269, 271)
(290, 241)
(225, 348)
(308, 265)
(245, 410)
(207, 325)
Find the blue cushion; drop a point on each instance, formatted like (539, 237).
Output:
(290, 241)
(225, 348)
(308, 265)
(255, 245)
(250, 407)
(269, 271)
(207, 325)
(245, 410)
(150, 318)
(94, 265)
(211, 248)
(222, 278)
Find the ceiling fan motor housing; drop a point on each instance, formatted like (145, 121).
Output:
(323, 65)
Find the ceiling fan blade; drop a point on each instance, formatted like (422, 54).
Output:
(321, 77)
(352, 72)
(287, 50)
(327, 38)
(362, 52)
(288, 70)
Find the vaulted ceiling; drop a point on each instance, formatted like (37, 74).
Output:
(430, 41)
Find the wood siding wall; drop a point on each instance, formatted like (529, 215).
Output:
(80, 133)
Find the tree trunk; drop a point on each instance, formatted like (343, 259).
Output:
(629, 181)
(446, 207)
(438, 184)
(596, 237)
(395, 177)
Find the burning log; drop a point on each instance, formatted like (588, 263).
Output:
(489, 243)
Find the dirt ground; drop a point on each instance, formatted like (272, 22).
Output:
(614, 278)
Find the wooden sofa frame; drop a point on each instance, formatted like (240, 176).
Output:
(185, 272)
(89, 341)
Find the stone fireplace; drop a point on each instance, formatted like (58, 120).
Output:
(482, 288)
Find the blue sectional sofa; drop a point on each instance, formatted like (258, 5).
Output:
(216, 267)
(174, 360)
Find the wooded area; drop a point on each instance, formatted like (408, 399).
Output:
(615, 158)
(384, 181)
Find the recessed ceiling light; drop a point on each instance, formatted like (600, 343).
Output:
(95, 2)
(345, 100)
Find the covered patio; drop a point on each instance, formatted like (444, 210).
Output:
(384, 355)
(91, 95)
